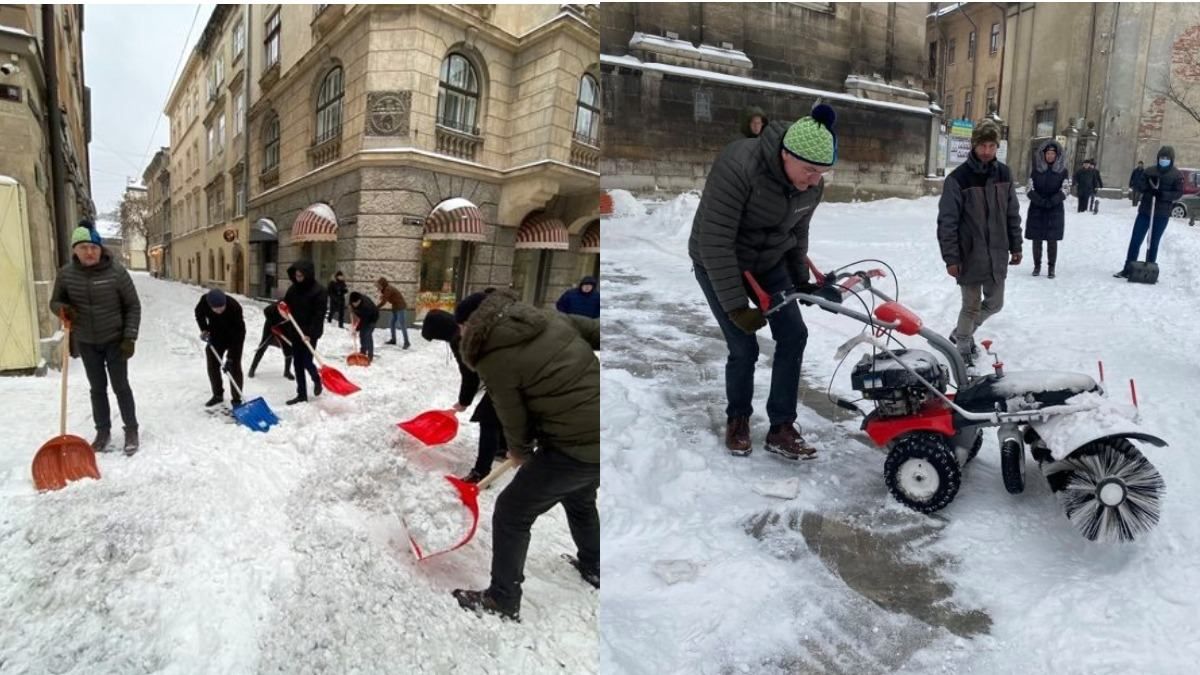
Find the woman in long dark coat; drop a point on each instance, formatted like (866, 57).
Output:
(1045, 219)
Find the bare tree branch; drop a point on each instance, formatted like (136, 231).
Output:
(1180, 99)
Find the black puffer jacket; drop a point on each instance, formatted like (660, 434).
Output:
(106, 303)
(750, 217)
(227, 329)
(1045, 220)
(979, 221)
(1161, 186)
(367, 312)
(307, 302)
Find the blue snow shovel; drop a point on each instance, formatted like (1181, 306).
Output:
(254, 414)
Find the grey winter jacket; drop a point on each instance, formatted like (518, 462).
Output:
(979, 221)
(106, 303)
(750, 217)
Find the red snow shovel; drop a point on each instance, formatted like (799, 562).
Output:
(469, 494)
(433, 427)
(357, 358)
(330, 377)
(64, 458)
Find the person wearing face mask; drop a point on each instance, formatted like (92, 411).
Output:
(223, 326)
(979, 231)
(1161, 185)
(754, 217)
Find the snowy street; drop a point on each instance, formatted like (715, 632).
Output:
(707, 573)
(216, 549)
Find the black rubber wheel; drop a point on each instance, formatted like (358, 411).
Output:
(1012, 467)
(976, 445)
(921, 471)
(1108, 490)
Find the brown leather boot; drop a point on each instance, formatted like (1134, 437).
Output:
(786, 441)
(737, 436)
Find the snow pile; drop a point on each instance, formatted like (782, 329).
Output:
(625, 205)
(436, 517)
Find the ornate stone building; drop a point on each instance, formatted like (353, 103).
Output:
(386, 113)
(157, 179)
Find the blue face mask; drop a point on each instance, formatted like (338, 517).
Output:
(1164, 162)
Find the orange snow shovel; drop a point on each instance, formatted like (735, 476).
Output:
(357, 358)
(469, 494)
(433, 427)
(64, 458)
(331, 378)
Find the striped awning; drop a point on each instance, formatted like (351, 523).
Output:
(316, 223)
(590, 243)
(264, 229)
(455, 219)
(541, 231)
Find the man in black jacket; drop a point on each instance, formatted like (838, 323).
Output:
(1087, 181)
(368, 316)
(97, 296)
(223, 326)
(337, 299)
(306, 301)
(1135, 181)
(753, 217)
(1161, 186)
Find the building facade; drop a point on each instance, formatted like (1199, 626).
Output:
(45, 186)
(678, 76)
(157, 179)
(966, 55)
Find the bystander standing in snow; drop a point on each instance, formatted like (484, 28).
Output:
(337, 299)
(306, 300)
(1161, 185)
(753, 217)
(1045, 220)
(753, 121)
(1087, 182)
(441, 325)
(1135, 183)
(583, 300)
(368, 316)
(223, 326)
(96, 294)
(272, 334)
(542, 375)
(389, 294)
(979, 231)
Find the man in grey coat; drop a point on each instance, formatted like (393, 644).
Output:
(753, 217)
(979, 231)
(97, 296)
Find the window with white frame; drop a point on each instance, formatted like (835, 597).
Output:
(239, 38)
(271, 42)
(587, 111)
(458, 95)
(239, 197)
(329, 106)
(239, 113)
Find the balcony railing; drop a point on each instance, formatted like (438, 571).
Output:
(583, 154)
(269, 178)
(326, 16)
(325, 152)
(457, 143)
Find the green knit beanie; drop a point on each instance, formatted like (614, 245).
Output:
(83, 235)
(812, 138)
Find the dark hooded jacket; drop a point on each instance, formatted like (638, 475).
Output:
(367, 312)
(751, 218)
(225, 330)
(337, 293)
(105, 300)
(1087, 181)
(979, 221)
(307, 302)
(1161, 186)
(1135, 178)
(541, 374)
(749, 114)
(575, 301)
(1045, 219)
(440, 325)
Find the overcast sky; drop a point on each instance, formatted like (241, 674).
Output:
(130, 56)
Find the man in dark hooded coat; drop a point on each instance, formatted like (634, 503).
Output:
(306, 300)
(1161, 186)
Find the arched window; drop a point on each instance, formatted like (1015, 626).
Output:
(329, 106)
(587, 111)
(458, 95)
(271, 142)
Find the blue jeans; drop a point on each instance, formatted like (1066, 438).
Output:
(398, 318)
(790, 334)
(1140, 226)
(366, 337)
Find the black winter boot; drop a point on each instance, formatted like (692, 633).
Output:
(480, 602)
(131, 441)
(100, 444)
(1037, 269)
(213, 401)
(1050, 272)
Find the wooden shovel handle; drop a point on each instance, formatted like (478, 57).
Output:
(66, 363)
(496, 473)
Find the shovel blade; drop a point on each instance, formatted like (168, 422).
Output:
(255, 414)
(469, 494)
(433, 427)
(336, 382)
(61, 460)
(358, 359)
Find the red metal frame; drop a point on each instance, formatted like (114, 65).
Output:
(891, 312)
(935, 417)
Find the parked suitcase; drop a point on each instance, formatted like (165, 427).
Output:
(1143, 272)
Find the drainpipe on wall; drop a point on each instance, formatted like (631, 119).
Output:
(58, 165)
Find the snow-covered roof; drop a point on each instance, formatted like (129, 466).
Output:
(866, 83)
(666, 45)
(633, 62)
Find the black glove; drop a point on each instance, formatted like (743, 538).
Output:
(127, 348)
(1036, 199)
(749, 319)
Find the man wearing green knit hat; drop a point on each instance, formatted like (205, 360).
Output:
(753, 217)
(96, 294)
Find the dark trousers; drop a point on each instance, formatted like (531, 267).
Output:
(304, 366)
(231, 355)
(1135, 197)
(1085, 200)
(268, 338)
(366, 339)
(547, 479)
(1051, 250)
(790, 334)
(338, 310)
(491, 436)
(103, 363)
(1141, 225)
